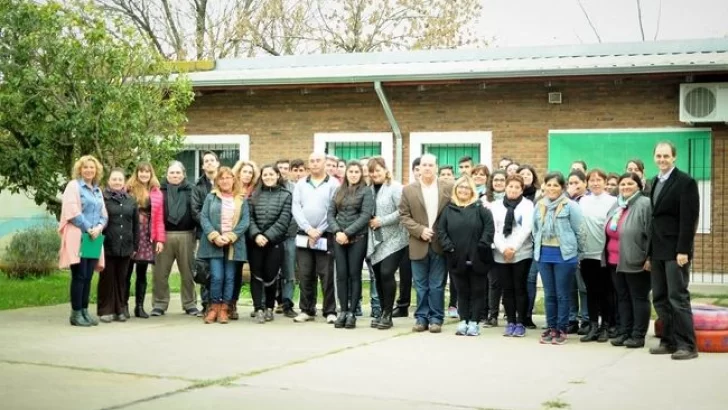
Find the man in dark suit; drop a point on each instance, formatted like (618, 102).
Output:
(675, 208)
(420, 208)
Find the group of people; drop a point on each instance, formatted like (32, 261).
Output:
(601, 242)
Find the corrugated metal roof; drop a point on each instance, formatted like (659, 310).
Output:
(597, 59)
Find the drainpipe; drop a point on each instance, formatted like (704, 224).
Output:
(399, 146)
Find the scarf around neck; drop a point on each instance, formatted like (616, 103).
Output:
(116, 194)
(549, 225)
(622, 205)
(510, 205)
(497, 196)
(529, 192)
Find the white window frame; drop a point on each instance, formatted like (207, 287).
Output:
(485, 138)
(385, 139)
(243, 141)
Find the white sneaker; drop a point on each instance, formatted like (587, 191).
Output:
(302, 317)
(330, 319)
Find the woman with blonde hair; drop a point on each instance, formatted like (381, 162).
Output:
(224, 219)
(466, 232)
(143, 185)
(82, 213)
(248, 175)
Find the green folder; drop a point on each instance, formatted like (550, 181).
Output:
(91, 248)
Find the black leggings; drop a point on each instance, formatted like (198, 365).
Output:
(513, 278)
(385, 281)
(141, 279)
(471, 293)
(599, 291)
(265, 263)
(349, 264)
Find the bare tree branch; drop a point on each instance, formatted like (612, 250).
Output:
(659, 17)
(588, 19)
(639, 18)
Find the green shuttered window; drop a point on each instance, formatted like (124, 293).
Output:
(449, 154)
(353, 150)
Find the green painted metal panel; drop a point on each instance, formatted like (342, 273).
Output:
(228, 154)
(354, 150)
(610, 150)
(449, 154)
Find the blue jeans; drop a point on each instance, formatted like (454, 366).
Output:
(288, 272)
(428, 276)
(531, 287)
(222, 279)
(558, 279)
(578, 308)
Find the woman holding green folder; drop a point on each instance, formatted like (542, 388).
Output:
(83, 218)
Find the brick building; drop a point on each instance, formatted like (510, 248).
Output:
(543, 106)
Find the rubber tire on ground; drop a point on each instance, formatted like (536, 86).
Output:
(658, 327)
(709, 317)
(712, 341)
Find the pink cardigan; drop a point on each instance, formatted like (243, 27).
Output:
(157, 231)
(69, 253)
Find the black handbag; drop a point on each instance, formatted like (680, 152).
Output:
(201, 271)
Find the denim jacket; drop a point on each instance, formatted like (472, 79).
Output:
(570, 229)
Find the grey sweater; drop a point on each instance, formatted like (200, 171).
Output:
(311, 204)
(595, 209)
(634, 236)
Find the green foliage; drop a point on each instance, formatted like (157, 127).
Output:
(32, 253)
(73, 83)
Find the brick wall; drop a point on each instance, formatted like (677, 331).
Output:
(281, 123)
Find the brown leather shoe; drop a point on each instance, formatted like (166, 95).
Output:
(234, 311)
(212, 311)
(222, 315)
(419, 327)
(662, 349)
(435, 328)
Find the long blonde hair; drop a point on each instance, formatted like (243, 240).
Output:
(466, 180)
(247, 190)
(78, 165)
(138, 189)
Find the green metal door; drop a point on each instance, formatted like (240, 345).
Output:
(449, 154)
(353, 150)
(191, 157)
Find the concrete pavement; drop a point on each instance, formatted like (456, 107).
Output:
(177, 362)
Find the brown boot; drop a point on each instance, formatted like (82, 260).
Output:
(222, 314)
(212, 312)
(234, 310)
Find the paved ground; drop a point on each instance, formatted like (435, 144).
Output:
(177, 362)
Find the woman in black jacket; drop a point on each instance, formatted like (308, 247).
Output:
(270, 215)
(120, 243)
(466, 232)
(349, 213)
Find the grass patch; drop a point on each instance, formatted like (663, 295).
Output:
(555, 404)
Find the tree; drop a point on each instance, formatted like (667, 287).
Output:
(195, 29)
(69, 87)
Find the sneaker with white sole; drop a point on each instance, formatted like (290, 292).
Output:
(452, 312)
(331, 319)
(519, 331)
(302, 317)
(473, 329)
(462, 328)
(510, 328)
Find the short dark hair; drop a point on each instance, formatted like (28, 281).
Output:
(297, 163)
(577, 173)
(416, 163)
(505, 159)
(638, 162)
(636, 178)
(558, 176)
(465, 158)
(206, 153)
(597, 171)
(445, 167)
(530, 168)
(580, 162)
(282, 161)
(517, 178)
(612, 175)
(670, 144)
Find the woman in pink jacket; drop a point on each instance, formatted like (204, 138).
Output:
(82, 212)
(144, 187)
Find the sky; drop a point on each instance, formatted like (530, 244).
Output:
(553, 22)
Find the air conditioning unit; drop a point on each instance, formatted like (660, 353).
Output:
(707, 102)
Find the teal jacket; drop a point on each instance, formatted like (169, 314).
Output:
(211, 219)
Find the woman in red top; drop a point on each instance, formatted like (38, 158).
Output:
(144, 187)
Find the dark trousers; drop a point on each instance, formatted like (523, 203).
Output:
(672, 302)
(265, 263)
(471, 295)
(140, 285)
(633, 301)
(349, 264)
(112, 286)
(495, 292)
(453, 291)
(599, 291)
(313, 265)
(81, 275)
(384, 279)
(405, 280)
(514, 278)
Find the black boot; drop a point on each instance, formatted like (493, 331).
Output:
(593, 333)
(603, 335)
(141, 291)
(340, 320)
(528, 323)
(385, 322)
(400, 312)
(350, 320)
(375, 322)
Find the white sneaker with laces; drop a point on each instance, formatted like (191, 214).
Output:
(330, 319)
(302, 317)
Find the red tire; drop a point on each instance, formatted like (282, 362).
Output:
(709, 317)
(712, 341)
(658, 327)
